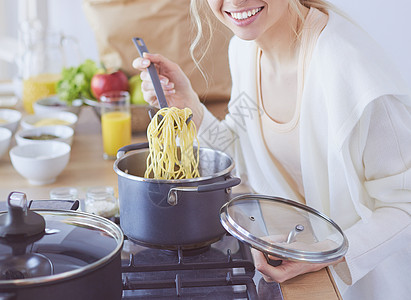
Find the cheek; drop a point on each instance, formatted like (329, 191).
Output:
(215, 6)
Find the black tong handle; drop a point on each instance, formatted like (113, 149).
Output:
(141, 47)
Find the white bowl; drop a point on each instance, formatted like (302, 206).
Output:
(10, 119)
(61, 132)
(40, 163)
(53, 104)
(5, 138)
(50, 118)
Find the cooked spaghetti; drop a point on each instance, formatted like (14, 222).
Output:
(167, 159)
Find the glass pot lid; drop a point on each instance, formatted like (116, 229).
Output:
(64, 244)
(284, 228)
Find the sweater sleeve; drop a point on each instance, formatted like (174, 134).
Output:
(386, 158)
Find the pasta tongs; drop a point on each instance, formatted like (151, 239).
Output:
(141, 47)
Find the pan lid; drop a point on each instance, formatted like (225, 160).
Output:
(284, 228)
(45, 245)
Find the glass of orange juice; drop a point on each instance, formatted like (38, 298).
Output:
(115, 122)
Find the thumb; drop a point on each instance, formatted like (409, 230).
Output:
(140, 63)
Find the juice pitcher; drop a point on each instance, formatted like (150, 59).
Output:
(44, 56)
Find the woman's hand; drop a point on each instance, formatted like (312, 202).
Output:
(287, 270)
(176, 86)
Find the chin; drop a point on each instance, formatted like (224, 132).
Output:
(247, 34)
(247, 37)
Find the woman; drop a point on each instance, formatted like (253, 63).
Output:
(319, 116)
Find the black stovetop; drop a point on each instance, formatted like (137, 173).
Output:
(224, 270)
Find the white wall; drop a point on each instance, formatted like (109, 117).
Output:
(388, 22)
(68, 17)
(8, 28)
(65, 16)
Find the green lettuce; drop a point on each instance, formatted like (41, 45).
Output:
(75, 81)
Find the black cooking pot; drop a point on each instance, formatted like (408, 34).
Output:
(172, 214)
(58, 254)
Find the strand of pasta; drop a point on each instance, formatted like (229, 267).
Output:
(164, 161)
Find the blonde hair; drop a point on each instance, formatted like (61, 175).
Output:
(204, 23)
(203, 26)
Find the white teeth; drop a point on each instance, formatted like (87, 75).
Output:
(245, 14)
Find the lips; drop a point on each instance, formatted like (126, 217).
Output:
(243, 15)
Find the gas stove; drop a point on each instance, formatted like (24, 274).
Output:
(223, 270)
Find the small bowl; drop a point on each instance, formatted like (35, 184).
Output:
(40, 163)
(45, 133)
(5, 138)
(51, 118)
(53, 104)
(10, 119)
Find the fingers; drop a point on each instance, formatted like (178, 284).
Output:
(141, 63)
(165, 82)
(269, 273)
(287, 270)
(175, 84)
(148, 87)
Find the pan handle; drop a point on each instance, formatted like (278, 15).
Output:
(125, 149)
(172, 197)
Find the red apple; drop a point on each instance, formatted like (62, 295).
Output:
(103, 82)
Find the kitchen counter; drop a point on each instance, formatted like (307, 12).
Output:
(87, 168)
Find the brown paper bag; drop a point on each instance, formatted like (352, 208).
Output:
(166, 28)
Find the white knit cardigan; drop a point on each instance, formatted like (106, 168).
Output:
(355, 145)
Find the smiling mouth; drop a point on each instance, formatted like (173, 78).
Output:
(244, 14)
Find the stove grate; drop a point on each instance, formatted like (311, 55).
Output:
(229, 276)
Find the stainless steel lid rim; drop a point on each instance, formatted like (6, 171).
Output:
(285, 253)
(243, 233)
(278, 251)
(119, 237)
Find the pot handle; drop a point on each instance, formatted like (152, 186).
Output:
(226, 184)
(233, 181)
(125, 149)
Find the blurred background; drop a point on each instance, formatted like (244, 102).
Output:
(387, 22)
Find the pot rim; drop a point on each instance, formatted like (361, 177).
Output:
(80, 271)
(172, 181)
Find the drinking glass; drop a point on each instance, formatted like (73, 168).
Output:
(115, 122)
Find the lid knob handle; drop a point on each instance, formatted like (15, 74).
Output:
(20, 221)
(293, 233)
